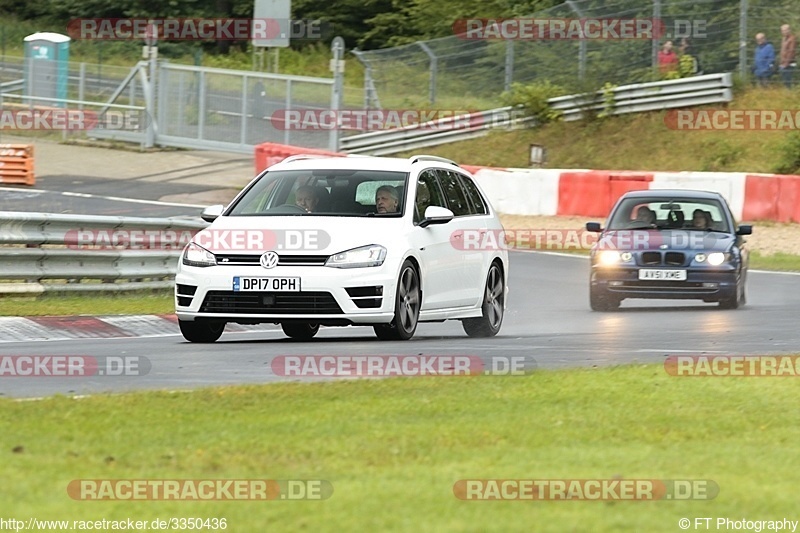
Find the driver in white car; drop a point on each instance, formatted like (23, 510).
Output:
(306, 198)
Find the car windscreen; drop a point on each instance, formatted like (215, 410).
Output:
(670, 213)
(350, 193)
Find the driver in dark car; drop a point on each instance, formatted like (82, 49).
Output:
(645, 216)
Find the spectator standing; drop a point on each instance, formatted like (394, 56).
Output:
(788, 50)
(764, 61)
(667, 59)
(686, 50)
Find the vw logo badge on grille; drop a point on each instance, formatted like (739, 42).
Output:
(269, 260)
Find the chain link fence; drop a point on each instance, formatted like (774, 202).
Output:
(454, 71)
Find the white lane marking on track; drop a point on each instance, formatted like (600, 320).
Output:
(662, 350)
(113, 198)
(131, 200)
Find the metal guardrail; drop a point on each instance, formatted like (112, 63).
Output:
(638, 98)
(442, 131)
(47, 252)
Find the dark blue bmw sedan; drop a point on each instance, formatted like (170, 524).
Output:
(671, 244)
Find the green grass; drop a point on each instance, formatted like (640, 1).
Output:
(160, 302)
(393, 449)
(777, 261)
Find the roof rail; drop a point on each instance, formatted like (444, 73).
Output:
(422, 157)
(298, 157)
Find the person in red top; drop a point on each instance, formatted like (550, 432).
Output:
(788, 49)
(667, 59)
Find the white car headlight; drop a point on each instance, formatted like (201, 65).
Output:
(366, 256)
(716, 258)
(197, 256)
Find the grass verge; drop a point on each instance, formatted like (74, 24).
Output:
(640, 141)
(777, 261)
(392, 449)
(119, 304)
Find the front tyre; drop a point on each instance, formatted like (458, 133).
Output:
(736, 300)
(201, 331)
(406, 307)
(599, 301)
(300, 331)
(493, 307)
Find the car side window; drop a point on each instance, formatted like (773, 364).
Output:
(478, 203)
(454, 192)
(428, 194)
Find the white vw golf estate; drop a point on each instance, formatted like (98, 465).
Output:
(346, 241)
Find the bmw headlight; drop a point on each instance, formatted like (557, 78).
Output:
(197, 256)
(609, 257)
(366, 256)
(716, 258)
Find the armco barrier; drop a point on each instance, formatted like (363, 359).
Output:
(41, 249)
(16, 164)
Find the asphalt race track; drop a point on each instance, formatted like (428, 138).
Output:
(548, 319)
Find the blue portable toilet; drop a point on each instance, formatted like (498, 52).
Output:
(46, 67)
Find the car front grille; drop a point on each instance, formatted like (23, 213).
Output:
(661, 258)
(285, 303)
(283, 260)
(651, 258)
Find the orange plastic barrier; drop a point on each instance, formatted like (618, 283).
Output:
(16, 164)
(268, 154)
(760, 198)
(772, 198)
(622, 182)
(592, 193)
(788, 199)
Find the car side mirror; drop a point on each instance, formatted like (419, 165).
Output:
(211, 212)
(745, 229)
(594, 227)
(436, 215)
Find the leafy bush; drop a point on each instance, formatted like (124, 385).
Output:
(789, 160)
(720, 155)
(534, 100)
